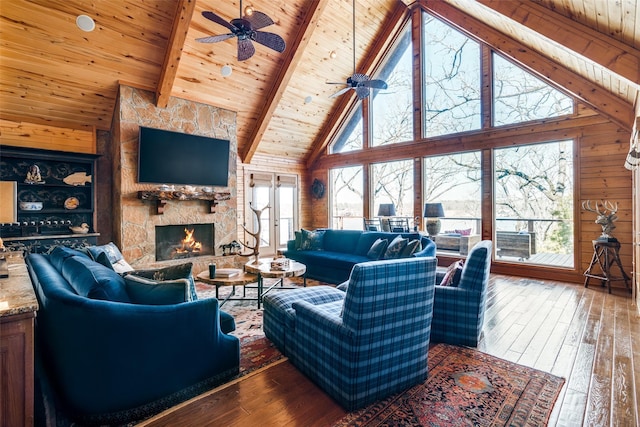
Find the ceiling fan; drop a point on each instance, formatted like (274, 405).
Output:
(246, 30)
(361, 83)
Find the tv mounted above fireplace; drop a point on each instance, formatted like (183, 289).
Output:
(166, 157)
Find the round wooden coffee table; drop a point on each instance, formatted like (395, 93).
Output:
(263, 270)
(241, 279)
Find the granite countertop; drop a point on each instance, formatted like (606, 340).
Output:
(16, 292)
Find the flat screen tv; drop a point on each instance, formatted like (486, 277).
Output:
(166, 157)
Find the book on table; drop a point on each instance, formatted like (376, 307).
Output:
(227, 272)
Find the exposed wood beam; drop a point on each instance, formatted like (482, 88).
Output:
(371, 60)
(184, 12)
(602, 49)
(611, 106)
(294, 53)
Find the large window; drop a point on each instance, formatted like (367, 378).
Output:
(346, 198)
(533, 187)
(518, 96)
(392, 110)
(452, 80)
(393, 183)
(350, 137)
(454, 181)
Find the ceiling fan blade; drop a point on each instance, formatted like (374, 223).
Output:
(340, 92)
(376, 84)
(215, 39)
(258, 20)
(245, 49)
(362, 91)
(218, 20)
(270, 40)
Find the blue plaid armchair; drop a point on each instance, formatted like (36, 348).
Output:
(458, 312)
(371, 343)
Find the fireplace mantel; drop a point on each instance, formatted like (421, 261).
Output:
(161, 197)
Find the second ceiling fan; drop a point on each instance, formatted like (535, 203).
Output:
(361, 83)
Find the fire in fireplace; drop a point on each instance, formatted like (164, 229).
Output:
(184, 241)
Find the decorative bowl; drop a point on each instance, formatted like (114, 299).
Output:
(31, 206)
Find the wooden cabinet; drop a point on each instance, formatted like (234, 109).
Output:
(18, 306)
(55, 191)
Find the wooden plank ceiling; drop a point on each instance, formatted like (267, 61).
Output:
(53, 73)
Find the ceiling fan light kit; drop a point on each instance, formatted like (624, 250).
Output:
(361, 83)
(245, 29)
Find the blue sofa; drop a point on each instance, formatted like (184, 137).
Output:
(364, 344)
(110, 359)
(340, 250)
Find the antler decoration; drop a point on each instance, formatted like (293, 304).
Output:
(604, 218)
(256, 235)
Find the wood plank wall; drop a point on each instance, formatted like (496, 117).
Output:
(599, 155)
(30, 135)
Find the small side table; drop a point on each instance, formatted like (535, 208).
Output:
(241, 279)
(605, 254)
(263, 269)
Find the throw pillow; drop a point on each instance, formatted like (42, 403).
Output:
(377, 249)
(172, 272)
(110, 256)
(312, 240)
(412, 247)
(452, 276)
(152, 292)
(395, 248)
(298, 241)
(92, 280)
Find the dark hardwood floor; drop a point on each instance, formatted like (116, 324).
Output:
(587, 336)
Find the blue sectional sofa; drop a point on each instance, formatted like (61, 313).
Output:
(333, 257)
(110, 357)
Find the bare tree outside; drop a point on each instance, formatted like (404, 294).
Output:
(533, 184)
(347, 197)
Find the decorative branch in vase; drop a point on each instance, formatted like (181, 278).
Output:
(255, 249)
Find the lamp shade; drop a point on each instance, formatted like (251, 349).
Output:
(386, 209)
(433, 210)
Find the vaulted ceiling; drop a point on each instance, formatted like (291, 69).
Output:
(53, 73)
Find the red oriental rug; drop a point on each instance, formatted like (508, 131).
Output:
(467, 388)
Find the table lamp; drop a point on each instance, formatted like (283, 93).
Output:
(433, 212)
(386, 209)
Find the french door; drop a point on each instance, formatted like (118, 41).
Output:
(275, 196)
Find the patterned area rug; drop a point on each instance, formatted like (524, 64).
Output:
(467, 388)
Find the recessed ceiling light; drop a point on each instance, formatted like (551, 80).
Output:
(308, 99)
(333, 54)
(226, 70)
(85, 23)
(248, 11)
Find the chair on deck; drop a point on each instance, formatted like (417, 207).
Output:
(399, 225)
(372, 224)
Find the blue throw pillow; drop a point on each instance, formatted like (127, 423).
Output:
(312, 240)
(377, 249)
(395, 248)
(152, 292)
(412, 247)
(60, 253)
(92, 280)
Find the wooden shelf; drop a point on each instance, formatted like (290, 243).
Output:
(161, 197)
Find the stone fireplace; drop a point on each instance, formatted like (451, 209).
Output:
(184, 241)
(137, 222)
